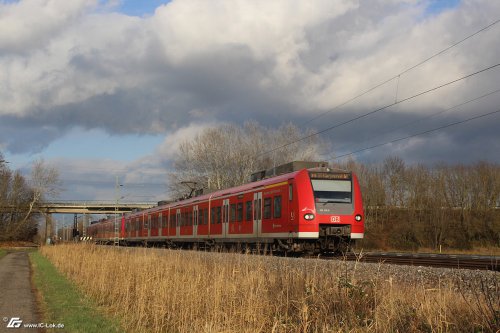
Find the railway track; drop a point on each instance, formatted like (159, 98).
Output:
(457, 261)
(427, 259)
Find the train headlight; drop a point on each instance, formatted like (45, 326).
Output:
(358, 218)
(309, 217)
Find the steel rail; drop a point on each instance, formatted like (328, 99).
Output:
(456, 261)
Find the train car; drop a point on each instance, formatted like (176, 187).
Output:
(299, 207)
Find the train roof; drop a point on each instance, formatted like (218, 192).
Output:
(216, 194)
(228, 191)
(317, 166)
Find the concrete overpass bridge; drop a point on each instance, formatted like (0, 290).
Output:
(82, 208)
(86, 207)
(92, 207)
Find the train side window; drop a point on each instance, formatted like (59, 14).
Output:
(164, 220)
(218, 214)
(290, 192)
(189, 219)
(277, 207)
(267, 208)
(205, 213)
(248, 210)
(233, 212)
(239, 211)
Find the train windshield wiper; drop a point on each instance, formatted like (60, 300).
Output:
(339, 200)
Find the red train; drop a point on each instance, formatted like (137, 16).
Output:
(298, 207)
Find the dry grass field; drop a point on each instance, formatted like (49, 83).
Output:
(184, 291)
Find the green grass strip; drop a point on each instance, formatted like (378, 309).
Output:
(2, 253)
(64, 304)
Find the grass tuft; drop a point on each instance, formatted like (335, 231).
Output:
(2, 253)
(62, 303)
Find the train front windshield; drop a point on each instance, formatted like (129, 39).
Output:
(328, 190)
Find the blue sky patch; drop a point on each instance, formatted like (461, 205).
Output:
(438, 6)
(140, 8)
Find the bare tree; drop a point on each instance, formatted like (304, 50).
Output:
(227, 155)
(394, 169)
(44, 184)
(15, 195)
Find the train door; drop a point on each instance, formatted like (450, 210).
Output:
(195, 220)
(170, 219)
(144, 225)
(148, 227)
(160, 224)
(225, 217)
(257, 214)
(177, 222)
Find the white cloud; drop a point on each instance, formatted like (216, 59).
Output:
(268, 28)
(170, 146)
(30, 24)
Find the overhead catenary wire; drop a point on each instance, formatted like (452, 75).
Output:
(379, 109)
(434, 114)
(398, 76)
(416, 134)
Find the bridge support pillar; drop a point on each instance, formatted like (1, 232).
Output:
(48, 229)
(84, 224)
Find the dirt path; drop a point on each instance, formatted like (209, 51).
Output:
(16, 297)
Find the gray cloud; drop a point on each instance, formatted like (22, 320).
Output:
(196, 62)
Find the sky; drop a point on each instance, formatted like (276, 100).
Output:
(108, 89)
